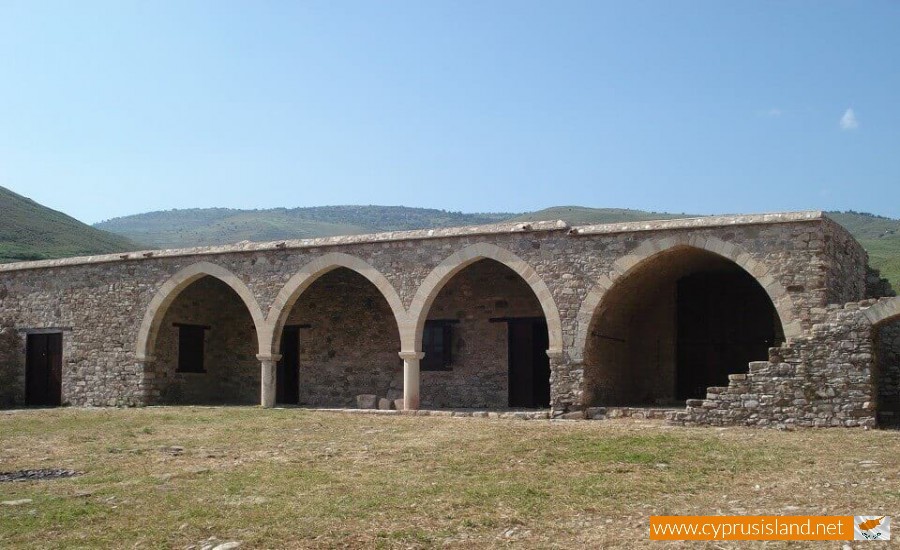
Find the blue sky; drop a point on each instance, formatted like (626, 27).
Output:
(109, 109)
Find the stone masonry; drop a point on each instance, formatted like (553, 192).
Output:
(116, 314)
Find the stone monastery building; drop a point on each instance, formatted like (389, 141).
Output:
(770, 319)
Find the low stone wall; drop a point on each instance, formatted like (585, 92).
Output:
(822, 379)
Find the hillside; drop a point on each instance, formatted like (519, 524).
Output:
(194, 227)
(880, 237)
(30, 231)
(581, 215)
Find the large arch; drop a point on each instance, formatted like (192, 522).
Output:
(673, 323)
(170, 290)
(885, 336)
(884, 310)
(308, 274)
(411, 333)
(652, 248)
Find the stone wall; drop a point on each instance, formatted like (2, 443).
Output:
(232, 373)
(846, 264)
(478, 375)
(101, 302)
(876, 285)
(350, 345)
(12, 366)
(820, 379)
(97, 307)
(887, 372)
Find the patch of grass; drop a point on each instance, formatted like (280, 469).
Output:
(294, 478)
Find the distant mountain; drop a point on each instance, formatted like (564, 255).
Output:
(195, 227)
(30, 231)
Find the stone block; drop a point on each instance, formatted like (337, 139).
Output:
(384, 404)
(366, 401)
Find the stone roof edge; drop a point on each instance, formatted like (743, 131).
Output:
(292, 244)
(419, 234)
(699, 223)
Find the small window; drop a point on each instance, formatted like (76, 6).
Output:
(190, 347)
(437, 344)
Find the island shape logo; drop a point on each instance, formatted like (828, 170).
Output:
(871, 528)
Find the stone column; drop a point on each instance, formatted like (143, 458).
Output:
(267, 390)
(411, 379)
(147, 390)
(566, 382)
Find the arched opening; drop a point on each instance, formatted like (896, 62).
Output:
(339, 340)
(675, 324)
(485, 338)
(205, 347)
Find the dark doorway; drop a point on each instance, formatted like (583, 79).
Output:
(287, 383)
(529, 365)
(43, 370)
(725, 320)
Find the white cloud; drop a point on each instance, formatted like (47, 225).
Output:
(773, 112)
(848, 121)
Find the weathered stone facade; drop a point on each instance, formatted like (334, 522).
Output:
(349, 342)
(823, 378)
(231, 368)
(12, 366)
(116, 312)
(477, 376)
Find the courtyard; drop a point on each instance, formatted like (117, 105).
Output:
(181, 477)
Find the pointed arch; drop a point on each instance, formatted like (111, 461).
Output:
(885, 309)
(308, 274)
(411, 337)
(650, 249)
(169, 291)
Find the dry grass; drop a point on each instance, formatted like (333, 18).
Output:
(293, 478)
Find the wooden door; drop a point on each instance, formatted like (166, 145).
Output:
(287, 382)
(529, 366)
(724, 321)
(43, 370)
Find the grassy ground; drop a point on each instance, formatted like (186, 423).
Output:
(294, 478)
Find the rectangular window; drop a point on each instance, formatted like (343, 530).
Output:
(437, 343)
(190, 347)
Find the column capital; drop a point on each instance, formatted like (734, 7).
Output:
(555, 353)
(274, 357)
(411, 355)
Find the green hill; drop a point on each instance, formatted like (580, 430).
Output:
(29, 231)
(880, 236)
(195, 227)
(582, 215)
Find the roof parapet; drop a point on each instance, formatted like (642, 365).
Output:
(421, 234)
